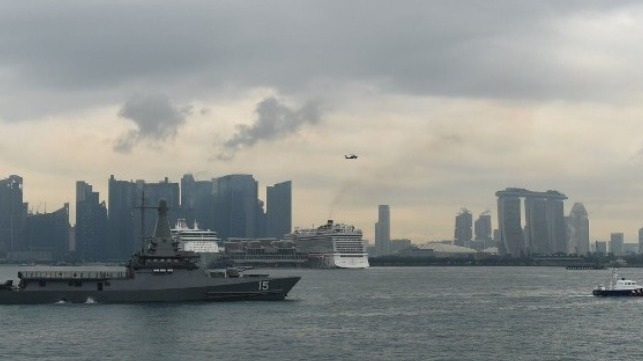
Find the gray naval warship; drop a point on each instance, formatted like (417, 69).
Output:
(159, 272)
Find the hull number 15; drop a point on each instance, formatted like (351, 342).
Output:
(264, 285)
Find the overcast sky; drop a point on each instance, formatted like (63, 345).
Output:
(445, 102)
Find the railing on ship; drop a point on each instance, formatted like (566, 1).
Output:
(72, 274)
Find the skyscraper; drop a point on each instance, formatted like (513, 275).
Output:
(510, 225)
(279, 209)
(545, 230)
(463, 228)
(383, 231)
(197, 201)
(49, 233)
(13, 216)
(616, 243)
(482, 228)
(556, 223)
(91, 224)
(536, 227)
(237, 208)
(121, 206)
(579, 230)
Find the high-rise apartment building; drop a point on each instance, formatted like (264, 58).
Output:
(383, 231)
(578, 223)
(279, 209)
(463, 229)
(91, 224)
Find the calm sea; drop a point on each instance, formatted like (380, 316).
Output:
(419, 313)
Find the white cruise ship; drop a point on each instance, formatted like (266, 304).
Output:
(204, 242)
(335, 245)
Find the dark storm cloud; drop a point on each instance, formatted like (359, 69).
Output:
(156, 118)
(274, 120)
(459, 48)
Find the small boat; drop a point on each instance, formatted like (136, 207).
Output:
(619, 287)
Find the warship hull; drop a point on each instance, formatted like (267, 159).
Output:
(126, 291)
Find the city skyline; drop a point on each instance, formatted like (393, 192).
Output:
(444, 103)
(493, 221)
(230, 205)
(263, 196)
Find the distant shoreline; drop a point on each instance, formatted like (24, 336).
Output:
(571, 263)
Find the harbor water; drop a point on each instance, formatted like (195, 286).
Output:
(382, 313)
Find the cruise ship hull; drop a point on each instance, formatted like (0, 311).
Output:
(135, 291)
(352, 262)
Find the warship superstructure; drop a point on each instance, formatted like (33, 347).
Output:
(159, 272)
